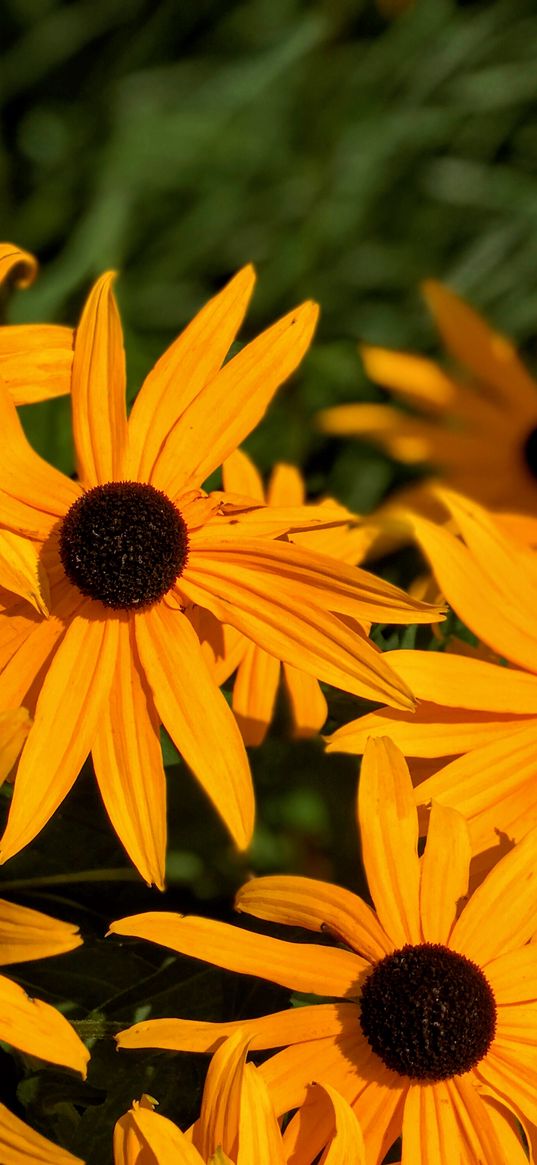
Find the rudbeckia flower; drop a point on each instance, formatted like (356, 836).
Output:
(475, 424)
(481, 711)
(31, 1025)
(433, 1003)
(258, 673)
(237, 1125)
(21, 1145)
(35, 359)
(135, 543)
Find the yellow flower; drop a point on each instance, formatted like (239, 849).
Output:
(435, 1003)
(30, 1024)
(237, 1124)
(478, 710)
(477, 425)
(132, 546)
(258, 673)
(21, 1145)
(35, 359)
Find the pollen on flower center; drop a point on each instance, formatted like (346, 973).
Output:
(124, 543)
(530, 452)
(428, 1012)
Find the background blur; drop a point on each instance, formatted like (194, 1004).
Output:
(349, 153)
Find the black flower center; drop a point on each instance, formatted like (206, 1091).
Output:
(428, 1012)
(124, 543)
(530, 452)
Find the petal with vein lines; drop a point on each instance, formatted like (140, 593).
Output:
(98, 388)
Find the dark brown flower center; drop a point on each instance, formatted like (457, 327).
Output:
(530, 452)
(124, 543)
(428, 1012)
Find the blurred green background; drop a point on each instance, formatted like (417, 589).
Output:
(349, 156)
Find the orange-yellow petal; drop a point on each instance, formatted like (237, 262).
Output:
(513, 977)
(36, 361)
(98, 388)
(317, 906)
(240, 476)
(162, 1142)
(444, 873)
(21, 1145)
(508, 1071)
(188, 365)
(127, 758)
(308, 705)
(388, 824)
(196, 715)
(220, 1113)
(260, 1139)
(430, 1132)
(286, 486)
(22, 572)
(29, 934)
(17, 264)
(488, 355)
(297, 1025)
(233, 402)
(308, 968)
(431, 731)
(347, 1145)
(461, 682)
(414, 379)
(26, 477)
(14, 728)
(279, 620)
(254, 693)
(514, 881)
(38, 1029)
(66, 719)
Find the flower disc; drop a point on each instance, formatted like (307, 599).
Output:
(428, 1012)
(124, 543)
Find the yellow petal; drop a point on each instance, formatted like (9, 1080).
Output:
(347, 1144)
(508, 1071)
(388, 824)
(309, 708)
(286, 486)
(461, 682)
(164, 1141)
(430, 1132)
(183, 371)
(38, 1029)
(260, 1138)
(128, 763)
(36, 361)
(196, 715)
(17, 264)
(219, 1120)
(431, 731)
(297, 1025)
(233, 402)
(279, 619)
(308, 968)
(14, 728)
(21, 1145)
(28, 934)
(254, 693)
(488, 355)
(444, 873)
(98, 388)
(318, 579)
(26, 477)
(509, 896)
(317, 906)
(513, 977)
(29, 653)
(240, 476)
(22, 572)
(62, 735)
(414, 379)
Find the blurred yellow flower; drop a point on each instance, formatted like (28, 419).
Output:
(417, 964)
(475, 425)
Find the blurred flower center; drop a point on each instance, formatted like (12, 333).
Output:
(124, 543)
(428, 1012)
(530, 452)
